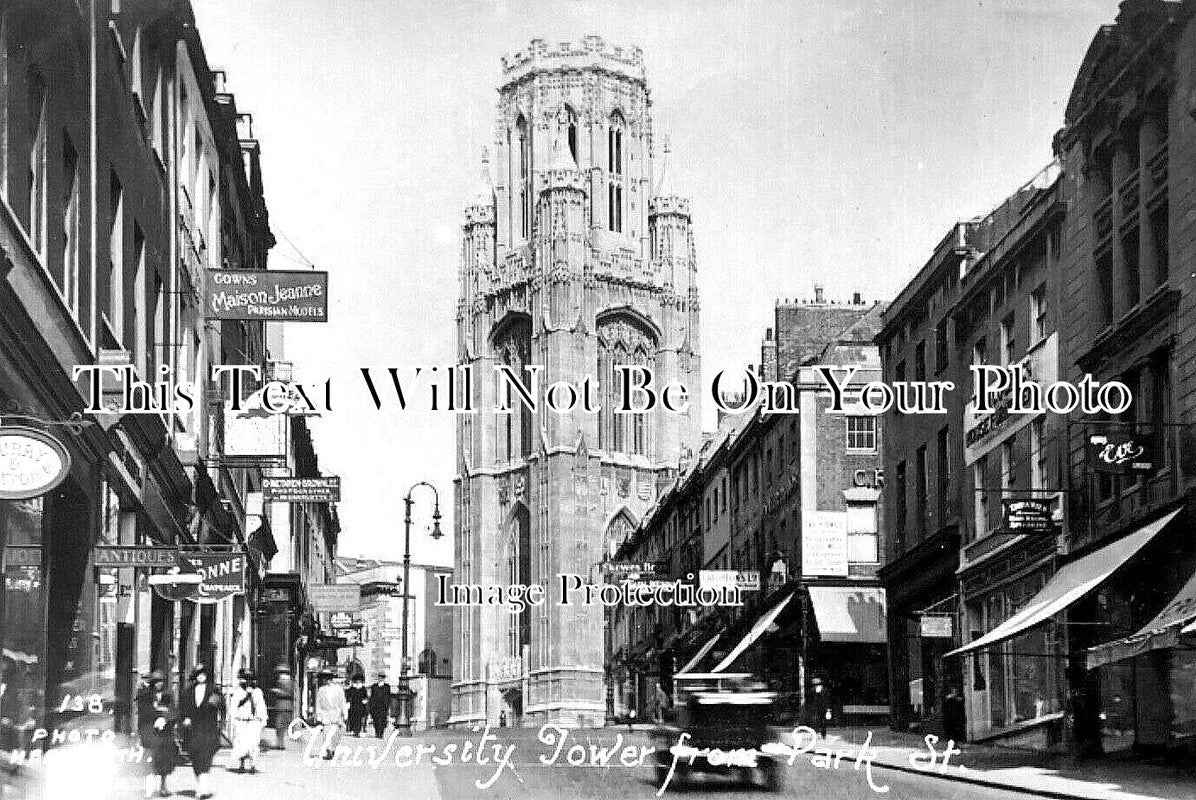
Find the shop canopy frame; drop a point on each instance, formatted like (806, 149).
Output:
(1070, 583)
(1165, 631)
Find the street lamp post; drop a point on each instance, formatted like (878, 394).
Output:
(404, 689)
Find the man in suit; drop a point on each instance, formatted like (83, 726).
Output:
(818, 706)
(380, 696)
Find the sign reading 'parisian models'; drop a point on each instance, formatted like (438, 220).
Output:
(333, 597)
(271, 295)
(302, 490)
(32, 462)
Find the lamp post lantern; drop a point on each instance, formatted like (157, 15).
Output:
(405, 690)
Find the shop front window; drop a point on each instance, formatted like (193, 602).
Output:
(23, 657)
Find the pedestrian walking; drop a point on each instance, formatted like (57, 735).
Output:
(155, 728)
(379, 704)
(358, 699)
(283, 695)
(330, 711)
(199, 710)
(249, 720)
(819, 707)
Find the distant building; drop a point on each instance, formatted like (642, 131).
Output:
(429, 632)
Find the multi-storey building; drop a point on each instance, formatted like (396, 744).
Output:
(429, 633)
(573, 259)
(123, 181)
(794, 497)
(1006, 314)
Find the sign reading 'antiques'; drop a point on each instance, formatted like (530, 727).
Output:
(1123, 453)
(272, 295)
(1028, 516)
(134, 556)
(221, 573)
(302, 490)
(32, 462)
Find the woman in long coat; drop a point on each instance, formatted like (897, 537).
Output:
(155, 727)
(199, 709)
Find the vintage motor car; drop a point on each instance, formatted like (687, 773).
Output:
(719, 724)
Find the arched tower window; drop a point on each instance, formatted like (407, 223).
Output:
(571, 132)
(615, 168)
(523, 139)
(622, 340)
(512, 348)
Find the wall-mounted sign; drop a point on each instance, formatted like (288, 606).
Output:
(824, 543)
(983, 432)
(747, 581)
(32, 462)
(1123, 453)
(221, 573)
(352, 636)
(333, 597)
(270, 296)
(134, 556)
(1028, 516)
(868, 478)
(937, 626)
(342, 619)
(634, 569)
(302, 490)
(275, 594)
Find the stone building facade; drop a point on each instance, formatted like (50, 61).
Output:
(575, 258)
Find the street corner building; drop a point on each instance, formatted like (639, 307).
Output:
(576, 257)
(127, 173)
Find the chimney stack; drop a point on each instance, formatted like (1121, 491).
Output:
(857, 300)
(817, 293)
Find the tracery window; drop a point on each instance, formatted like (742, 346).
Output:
(622, 341)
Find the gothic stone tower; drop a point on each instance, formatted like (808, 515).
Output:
(574, 258)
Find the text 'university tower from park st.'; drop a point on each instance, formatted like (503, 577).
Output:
(574, 257)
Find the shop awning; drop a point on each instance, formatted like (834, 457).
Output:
(698, 656)
(849, 613)
(757, 630)
(1069, 584)
(1161, 632)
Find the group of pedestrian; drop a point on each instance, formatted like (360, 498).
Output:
(194, 722)
(337, 707)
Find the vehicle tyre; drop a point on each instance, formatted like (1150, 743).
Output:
(772, 775)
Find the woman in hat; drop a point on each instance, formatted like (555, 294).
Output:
(155, 727)
(249, 720)
(199, 709)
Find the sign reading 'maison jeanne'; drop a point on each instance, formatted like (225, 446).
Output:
(271, 295)
(32, 462)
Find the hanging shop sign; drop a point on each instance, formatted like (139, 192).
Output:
(302, 490)
(254, 434)
(1123, 453)
(937, 626)
(824, 544)
(221, 574)
(342, 619)
(32, 462)
(634, 569)
(1028, 516)
(270, 295)
(175, 585)
(134, 556)
(352, 636)
(333, 597)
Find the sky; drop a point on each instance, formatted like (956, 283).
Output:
(829, 142)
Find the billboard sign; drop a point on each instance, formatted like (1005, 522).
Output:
(824, 544)
(325, 489)
(333, 597)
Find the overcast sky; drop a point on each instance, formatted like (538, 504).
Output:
(826, 141)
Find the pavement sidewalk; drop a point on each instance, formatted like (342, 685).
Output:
(1041, 774)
